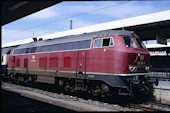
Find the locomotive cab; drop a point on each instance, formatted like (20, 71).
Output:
(137, 66)
(138, 55)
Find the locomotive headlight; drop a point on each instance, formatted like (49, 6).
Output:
(132, 69)
(147, 68)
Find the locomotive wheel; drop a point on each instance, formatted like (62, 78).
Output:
(103, 95)
(72, 89)
(96, 91)
(59, 85)
(9, 78)
(67, 87)
(13, 78)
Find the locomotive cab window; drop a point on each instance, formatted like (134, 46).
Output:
(141, 44)
(103, 42)
(107, 42)
(130, 42)
(97, 43)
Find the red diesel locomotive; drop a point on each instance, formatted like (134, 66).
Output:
(101, 63)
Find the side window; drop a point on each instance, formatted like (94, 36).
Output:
(17, 51)
(22, 51)
(39, 49)
(68, 46)
(45, 48)
(27, 50)
(97, 43)
(76, 45)
(62, 46)
(54, 47)
(32, 50)
(85, 44)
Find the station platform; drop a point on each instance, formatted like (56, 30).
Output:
(15, 102)
(165, 85)
(162, 92)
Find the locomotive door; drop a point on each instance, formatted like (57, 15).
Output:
(80, 63)
(13, 62)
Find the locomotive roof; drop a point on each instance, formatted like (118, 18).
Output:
(78, 37)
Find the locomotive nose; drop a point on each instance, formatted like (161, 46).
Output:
(138, 63)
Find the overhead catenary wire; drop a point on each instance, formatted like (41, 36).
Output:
(59, 20)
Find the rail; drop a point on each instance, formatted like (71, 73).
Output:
(150, 106)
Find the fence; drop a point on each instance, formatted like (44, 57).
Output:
(161, 73)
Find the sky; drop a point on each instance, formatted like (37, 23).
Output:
(82, 13)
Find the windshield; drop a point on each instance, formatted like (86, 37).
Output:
(132, 42)
(141, 44)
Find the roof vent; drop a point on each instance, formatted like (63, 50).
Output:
(35, 39)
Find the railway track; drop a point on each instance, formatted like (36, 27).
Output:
(159, 105)
(142, 108)
(147, 106)
(150, 106)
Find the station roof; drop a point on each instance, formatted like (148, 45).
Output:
(145, 26)
(159, 47)
(13, 10)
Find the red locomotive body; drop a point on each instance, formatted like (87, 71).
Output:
(112, 59)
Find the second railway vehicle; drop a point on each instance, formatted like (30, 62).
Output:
(4, 60)
(101, 63)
